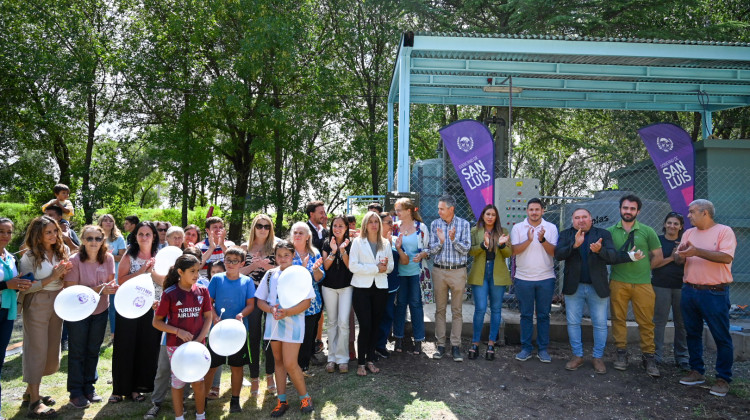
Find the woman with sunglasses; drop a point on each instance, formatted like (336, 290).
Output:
(306, 255)
(260, 258)
(115, 246)
(93, 266)
(10, 284)
(46, 259)
(666, 278)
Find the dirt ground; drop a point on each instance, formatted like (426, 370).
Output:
(507, 388)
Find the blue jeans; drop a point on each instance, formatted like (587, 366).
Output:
(529, 294)
(6, 329)
(409, 293)
(85, 339)
(713, 308)
(386, 323)
(598, 308)
(495, 295)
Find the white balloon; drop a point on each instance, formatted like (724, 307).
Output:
(190, 362)
(294, 285)
(227, 337)
(75, 303)
(135, 297)
(165, 259)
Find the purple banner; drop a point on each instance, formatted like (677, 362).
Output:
(671, 149)
(469, 144)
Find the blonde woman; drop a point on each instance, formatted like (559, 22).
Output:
(47, 261)
(306, 255)
(370, 261)
(260, 258)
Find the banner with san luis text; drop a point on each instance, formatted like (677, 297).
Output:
(671, 149)
(470, 146)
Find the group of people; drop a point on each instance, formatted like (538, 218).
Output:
(372, 271)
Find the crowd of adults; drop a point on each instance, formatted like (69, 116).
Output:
(374, 272)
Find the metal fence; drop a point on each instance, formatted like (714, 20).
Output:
(727, 187)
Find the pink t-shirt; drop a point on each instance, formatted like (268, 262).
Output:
(92, 274)
(716, 238)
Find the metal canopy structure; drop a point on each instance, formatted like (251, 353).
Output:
(563, 72)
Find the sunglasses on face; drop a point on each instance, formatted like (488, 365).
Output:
(93, 239)
(261, 227)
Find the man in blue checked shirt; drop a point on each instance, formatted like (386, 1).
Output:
(450, 241)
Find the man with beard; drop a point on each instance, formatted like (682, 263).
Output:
(631, 283)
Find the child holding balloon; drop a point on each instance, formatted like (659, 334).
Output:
(187, 306)
(286, 328)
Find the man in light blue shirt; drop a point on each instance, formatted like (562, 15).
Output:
(450, 240)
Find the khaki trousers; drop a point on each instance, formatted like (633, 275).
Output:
(642, 296)
(42, 331)
(453, 281)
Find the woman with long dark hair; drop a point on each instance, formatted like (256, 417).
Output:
(489, 276)
(370, 261)
(336, 290)
(10, 285)
(94, 267)
(136, 346)
(260, 258)
(46, 259)
(666, 278)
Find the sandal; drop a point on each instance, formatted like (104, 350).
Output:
(46, 413)
(417, 348)
(330, 367)
(46, 400)
(490, 354)
(344, 368)
(254, 386)
(398, 346)
(114, 399)
(138, 398)
(361, 371)
(372, 368)
(473, 352)
(213, 394)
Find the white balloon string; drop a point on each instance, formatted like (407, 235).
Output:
(105, 285)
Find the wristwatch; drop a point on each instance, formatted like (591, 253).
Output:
(543, 240)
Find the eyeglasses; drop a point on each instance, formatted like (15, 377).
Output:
(228, 261)
(93, 239)
(260, 227)
(162, 230)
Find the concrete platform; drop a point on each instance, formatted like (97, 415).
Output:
(510, 329)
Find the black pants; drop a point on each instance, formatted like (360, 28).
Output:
(135, 354)
(257, 345)
(369, 305)
(308, 345)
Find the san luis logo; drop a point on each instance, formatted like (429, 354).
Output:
(664, 144)
(465, 144)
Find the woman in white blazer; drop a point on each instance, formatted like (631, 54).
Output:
(370, 261)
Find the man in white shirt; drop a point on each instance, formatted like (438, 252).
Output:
(534, 242)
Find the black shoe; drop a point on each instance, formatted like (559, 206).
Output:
(398, 345)
(473, 352)
(417, 348)
(318, 346)
(490, 354)
(280, 409)
(382, 353)
(152, 412)
(234, 405)
(439, 353)
(456, 351)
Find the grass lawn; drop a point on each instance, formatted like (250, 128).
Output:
(334, 396)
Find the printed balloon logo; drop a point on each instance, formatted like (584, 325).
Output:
(83, 298)
(139, 301)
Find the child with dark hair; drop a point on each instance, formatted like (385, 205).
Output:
(286, 330)
(187, 306)
(233, 293)
(62, 193)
